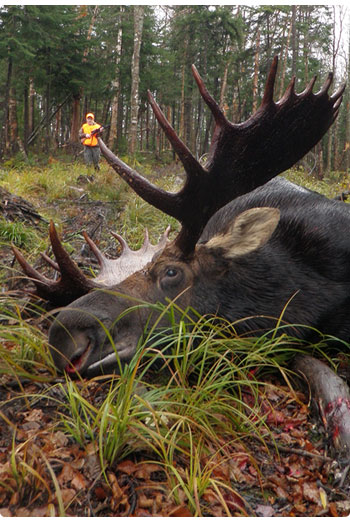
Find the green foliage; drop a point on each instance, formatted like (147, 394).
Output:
(23, 345)
(59, 181)
(17, 233)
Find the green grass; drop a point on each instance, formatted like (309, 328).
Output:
(331, 186)
(23, 344)
(19, 234)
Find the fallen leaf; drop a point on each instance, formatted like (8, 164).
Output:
(181, 511)
(33, 415)
(31, 425)
(301, 508)
(144, 502)
(127, 466)
(67, 474)
(79, 481)
(343, 506)
(275, 417)
(58, 438)
(264, 511)
(145, 469)
(333, 509)
(233, 500)
(323, 498)
(100, 493)
(280, 492)
(67, 495)
(311, 492)
(296, 470)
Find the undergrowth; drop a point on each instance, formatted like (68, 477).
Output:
(182, 398)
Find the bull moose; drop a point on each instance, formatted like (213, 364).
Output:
(251, 245)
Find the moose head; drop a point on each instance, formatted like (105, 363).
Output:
(206, 272)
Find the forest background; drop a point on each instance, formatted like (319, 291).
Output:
(58, 62)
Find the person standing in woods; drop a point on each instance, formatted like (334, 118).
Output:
(90, 142)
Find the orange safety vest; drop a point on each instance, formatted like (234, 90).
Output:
(86, 128)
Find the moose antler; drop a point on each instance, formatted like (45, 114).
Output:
(73, 283)
(241, 156)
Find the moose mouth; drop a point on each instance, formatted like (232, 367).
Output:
(78, 361)
(111, 358)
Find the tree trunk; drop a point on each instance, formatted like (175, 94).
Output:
(6, 108)
(25, 115)
(335, 46)
(76, 120)
(182, 104)
(256, 72)
(332, 396)
(31, 115)
(307, 13)
(116, 88)
(294, 41)
(58, 128)
(47, 117)
(284, 56)
(223, 89)
(347, 116)
(135, 76)
(13, 124)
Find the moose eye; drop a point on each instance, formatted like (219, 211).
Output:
(171, 272)
(171, 278)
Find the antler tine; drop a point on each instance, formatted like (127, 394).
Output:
(146, 241)
(308, 89)
(289, 92)
(94, 248)
(122, 242)
(216, 111)
(69, 286)
(338, 96)
(325, 87)
(29, 270)
(270, 84)
(50, 261)
(192, 167)
(165, 201)
(68, 268)
(165, 236)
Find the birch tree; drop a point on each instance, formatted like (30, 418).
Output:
(116, 86)
(135, 76)
(75, 125)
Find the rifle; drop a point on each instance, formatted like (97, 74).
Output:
(98, 131)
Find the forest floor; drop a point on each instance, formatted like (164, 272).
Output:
(290, 476)
(288, 470)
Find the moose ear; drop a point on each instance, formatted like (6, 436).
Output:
(249, 231)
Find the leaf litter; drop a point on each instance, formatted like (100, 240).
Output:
(285, 470)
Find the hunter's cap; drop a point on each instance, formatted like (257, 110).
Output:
(90, 115)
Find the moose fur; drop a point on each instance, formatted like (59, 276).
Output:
(257, 270)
